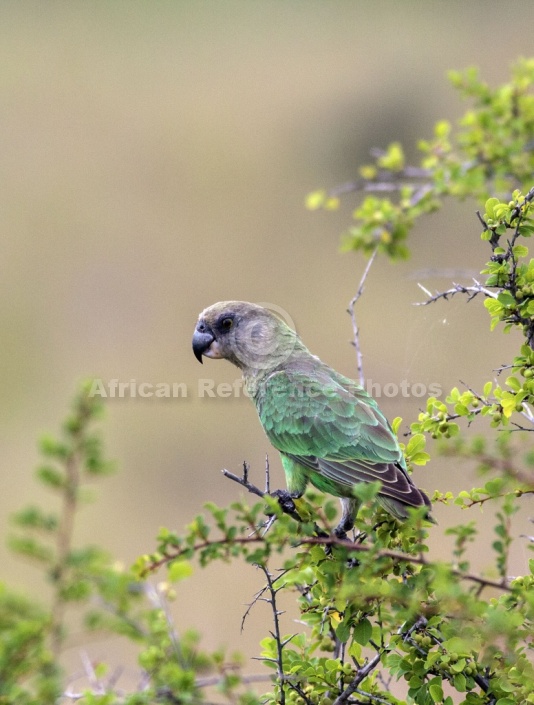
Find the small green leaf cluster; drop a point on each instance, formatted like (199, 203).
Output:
(382, 222)
(496, 132)
(509, 271)
(415, 450)
(222, 534)
(309, 679)
(70, 461)
(495, 402)
(31, 634)
(490, 149)
(29, 674)
(424, 653)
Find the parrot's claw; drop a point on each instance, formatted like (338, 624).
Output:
(285, 500)
(340, 533)
(357, 537)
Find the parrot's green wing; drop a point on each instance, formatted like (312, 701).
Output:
(330, 425)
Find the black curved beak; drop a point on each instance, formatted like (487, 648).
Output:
(202, 339)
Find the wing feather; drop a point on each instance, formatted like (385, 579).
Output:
(331, 426)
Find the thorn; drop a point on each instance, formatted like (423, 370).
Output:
(424, 290)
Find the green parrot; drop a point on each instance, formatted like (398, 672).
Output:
(328, 430)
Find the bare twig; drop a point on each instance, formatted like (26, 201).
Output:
(285, 502)
(157, 597)
(371, 697)
(96, 683)
(385, 181)
(482, 500)
(244, 481)
(355, 328)
(267, 475)
(216, 680)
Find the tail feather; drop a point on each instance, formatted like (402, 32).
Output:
(399, 510)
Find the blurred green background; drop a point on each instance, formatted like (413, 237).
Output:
(155, 158)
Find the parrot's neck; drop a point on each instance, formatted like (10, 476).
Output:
(256, 374)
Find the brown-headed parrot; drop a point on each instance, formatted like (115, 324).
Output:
(328, 430)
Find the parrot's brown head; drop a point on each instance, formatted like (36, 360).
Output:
(250, 336)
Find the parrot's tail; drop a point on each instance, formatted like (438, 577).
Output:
(399, 510)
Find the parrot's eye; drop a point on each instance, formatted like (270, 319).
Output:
(227, 323)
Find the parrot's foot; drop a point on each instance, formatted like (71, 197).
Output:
(340, 533)
(287, 505)
(346, 524)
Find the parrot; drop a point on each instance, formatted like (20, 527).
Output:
(328, 430)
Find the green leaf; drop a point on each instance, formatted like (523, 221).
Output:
(343, 630)
(363, 631)
(436, 692)
(178, 570)
(514, 383)
(416, 444)
(459, 681)
(315, 200)
(494, 306)
(520, 251)
(506, 299)
(420, 458)
(442, 128)
(50, 476)
(489, 207)
(461, 409)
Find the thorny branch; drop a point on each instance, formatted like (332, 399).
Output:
(276, 634)
(507, 255)
(285, 502)
(244, 481)
(471, 292)
(350, 311)
(258, 596)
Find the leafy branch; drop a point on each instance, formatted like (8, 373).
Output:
(172, 548)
